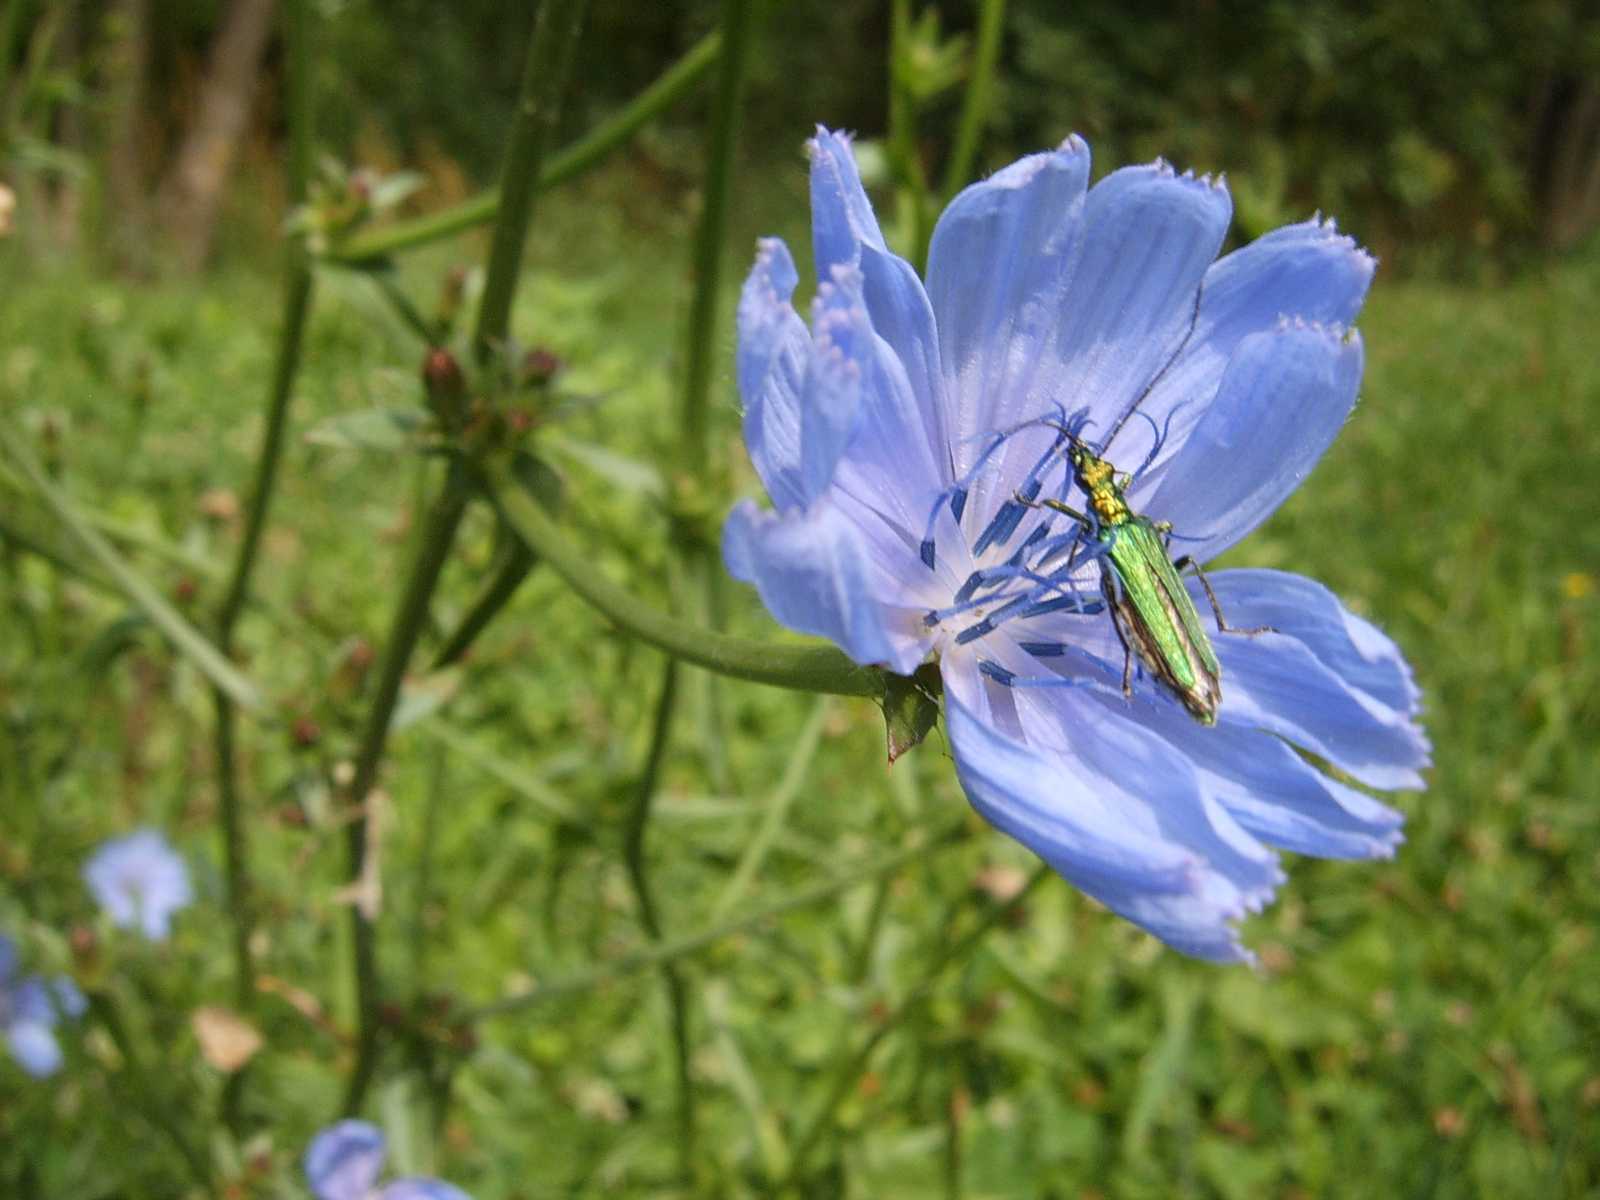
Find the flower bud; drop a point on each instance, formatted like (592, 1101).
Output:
(446, 387)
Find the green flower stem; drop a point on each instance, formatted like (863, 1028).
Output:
(422, 887)
(814, 667)
(185, 638)
(633, 857)
(673, 949)
(675, 83)
(296, 310)
(712, 233)
(544, 82)
(975, 104)
(902, 147)
(948, 952)
(507, 578)
(411, 615)
(700, 575)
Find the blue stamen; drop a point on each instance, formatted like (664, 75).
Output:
(1043, 649)
(973, 632)
(1011, 679)
(996, 672)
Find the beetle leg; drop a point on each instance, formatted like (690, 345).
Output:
(1108, 589)
(1222, 626)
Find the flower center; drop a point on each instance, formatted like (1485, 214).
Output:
(1028, 561)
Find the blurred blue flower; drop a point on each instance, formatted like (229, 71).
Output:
(140, 881)
(344, 1161)
(895, 434)
(30, 1005)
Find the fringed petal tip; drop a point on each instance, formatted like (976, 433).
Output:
(1077, 823)
(814, 576)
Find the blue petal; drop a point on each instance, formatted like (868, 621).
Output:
(815, 576)
(1326, 680)
(998, 266)
(1279, 797)
(422, 1189)
(1308, 271)
(846, 234)
(34, 1000)
(774, 355)
(8, 958)
(842, 220)
(1149, 235)
(34, 1047)
(1282, 401)
(139, 880)
(69, 1001)
(841, 372)
(1109, 806)
(344, 1160)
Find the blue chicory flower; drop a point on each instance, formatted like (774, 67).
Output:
(139, 881)
(344, 1161)
(30, 1005)
(895, 434)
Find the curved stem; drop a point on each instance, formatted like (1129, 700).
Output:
(296, 311)
(637, 822)
(675, 82)
(544, 81)
(816, 667)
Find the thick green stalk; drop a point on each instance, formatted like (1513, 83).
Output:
(692, 450)
(633, 857)
(296, 310)
(422, 888)
(550, 50)
(816, 667)
(544, 82)
(675, 83)
(712, 233)
(903, 153)
(673, 949)
(975, 104)
(185, 638)
(947, 953)
(411, 614)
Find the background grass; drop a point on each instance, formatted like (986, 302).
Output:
(1425, 1027)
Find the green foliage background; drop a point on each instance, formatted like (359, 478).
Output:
(1426, 124)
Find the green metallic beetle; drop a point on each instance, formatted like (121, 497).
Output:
(1149, 606)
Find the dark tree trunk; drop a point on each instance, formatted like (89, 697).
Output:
(191, 195)
(1566, 160)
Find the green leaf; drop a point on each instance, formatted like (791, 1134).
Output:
(621, 472)
(385, 429)
(910, 707)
